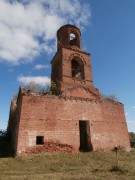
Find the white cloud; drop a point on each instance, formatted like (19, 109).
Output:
(39, 80)
(131, 121)
(28, 27)
(133, 107)
(41, 66)
(131, 125)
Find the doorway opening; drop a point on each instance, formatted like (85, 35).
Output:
(85, 142)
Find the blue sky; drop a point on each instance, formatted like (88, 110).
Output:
(28, 43)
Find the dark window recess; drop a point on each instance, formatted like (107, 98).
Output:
(39, 140)
(77, 70)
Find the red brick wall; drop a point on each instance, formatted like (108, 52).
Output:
(63, 36)
(68, 55)
(57, 119)
(62, 71)
(112, 130)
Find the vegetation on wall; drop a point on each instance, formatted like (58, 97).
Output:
(47, 89)
(54, 89)
(31, 87)
(110, 97)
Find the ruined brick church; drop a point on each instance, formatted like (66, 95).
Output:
(77, 119)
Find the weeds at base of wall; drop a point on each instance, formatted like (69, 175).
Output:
(118, 169)
(93, 165)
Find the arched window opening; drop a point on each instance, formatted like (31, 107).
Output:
(77, 70)
(73, 39)
(72, 36)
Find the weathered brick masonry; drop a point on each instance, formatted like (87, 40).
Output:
(77, 119)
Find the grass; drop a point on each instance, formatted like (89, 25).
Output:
(72, 166)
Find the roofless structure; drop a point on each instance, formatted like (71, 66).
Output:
(77, 117)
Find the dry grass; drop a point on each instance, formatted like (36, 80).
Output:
(72, 166)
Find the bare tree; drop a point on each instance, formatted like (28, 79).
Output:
(111, 97)
(32, 86)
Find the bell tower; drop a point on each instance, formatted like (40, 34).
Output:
(71, 67)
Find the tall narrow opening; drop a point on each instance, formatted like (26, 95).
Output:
(72, 36)
(77, 69)
(85, 141)
(73, 39)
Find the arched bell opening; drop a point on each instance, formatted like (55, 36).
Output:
(74, 39)
(77, 69)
